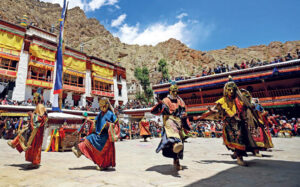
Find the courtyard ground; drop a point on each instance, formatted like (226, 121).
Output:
(206, 163)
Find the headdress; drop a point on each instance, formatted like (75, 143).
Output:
(229, 84)
(173, 87)
(247, 94)
(109, 105)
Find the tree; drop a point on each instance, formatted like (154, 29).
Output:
(163, 68)
(142, 74)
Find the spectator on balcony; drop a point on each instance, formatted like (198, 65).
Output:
(243, 65)
(259, 63)
(209, 72)
(298, 53)
(29, 102)
(223, 68)
(288, 57)
(5, 101)
(237, 66)
(228, 67)
(48, 104)
(204, 73)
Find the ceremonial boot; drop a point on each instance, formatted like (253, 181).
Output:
(76, 151)
(241, 162)
(10, 144)
(177, 164)
(101, 168)
(233, 156)
(33, 166)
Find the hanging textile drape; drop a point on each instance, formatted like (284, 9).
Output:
(42, 52)
(103, 72)
(11, 41)
(74, 66)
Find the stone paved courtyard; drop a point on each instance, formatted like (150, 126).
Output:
(206, 163)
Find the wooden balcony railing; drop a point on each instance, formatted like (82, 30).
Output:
(258, 94)
(73, 84)
(37, 77)
(3, 66)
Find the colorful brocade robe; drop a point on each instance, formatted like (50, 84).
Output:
(35, 137)
(144, 128)
(173, 125)
(97, 146)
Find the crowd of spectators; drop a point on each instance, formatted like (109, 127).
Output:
(134, 104)
(282, 126)
(48, 104)
(131, 130)
(222, 67)
(9, 126)
(279, 126)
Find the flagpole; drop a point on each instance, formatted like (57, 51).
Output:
(60, 96)
(58, 85)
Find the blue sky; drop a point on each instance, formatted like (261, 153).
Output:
(201, 24)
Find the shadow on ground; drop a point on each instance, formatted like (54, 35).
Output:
(258, 173)
(24, 166)
(93, 168)
(166, 169)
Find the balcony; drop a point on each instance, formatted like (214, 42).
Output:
(8, 68)
(103, 93)
(257, 94)
(73, 87)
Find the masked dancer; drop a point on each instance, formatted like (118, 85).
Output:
(30, 137)
(173, 110)
(97, 146)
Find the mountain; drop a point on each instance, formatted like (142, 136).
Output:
(182, 60)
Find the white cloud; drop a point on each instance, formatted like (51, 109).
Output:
(190, 33)
(86, 5)
(118, 21)
(180, 16)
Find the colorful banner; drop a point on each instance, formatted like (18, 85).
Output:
(59, 61)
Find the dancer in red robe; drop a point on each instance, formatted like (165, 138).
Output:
(30, 138)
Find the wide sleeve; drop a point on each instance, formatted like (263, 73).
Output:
(160, 109)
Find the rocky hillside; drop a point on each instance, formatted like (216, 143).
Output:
(100, 42)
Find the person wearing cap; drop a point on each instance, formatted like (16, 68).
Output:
(30, 139)
(98, 146)
(173, 110)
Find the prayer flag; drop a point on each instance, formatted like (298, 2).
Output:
(59, 61)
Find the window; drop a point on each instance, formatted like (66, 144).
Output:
(8, 64)
(73, 80)
(39, 74)
(101, 86)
